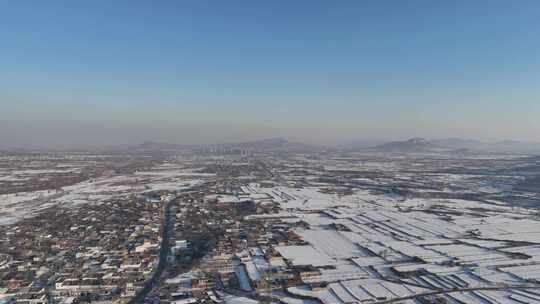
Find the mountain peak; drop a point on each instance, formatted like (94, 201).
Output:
(417, 140)
(415, 144)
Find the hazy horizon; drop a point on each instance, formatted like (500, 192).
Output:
(107, 73)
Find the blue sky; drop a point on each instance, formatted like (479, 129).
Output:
(101, 72)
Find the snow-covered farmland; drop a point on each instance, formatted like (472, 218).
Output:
(166, 177)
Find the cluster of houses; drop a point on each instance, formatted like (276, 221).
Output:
(100, 253)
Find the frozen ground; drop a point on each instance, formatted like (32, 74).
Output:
(448, 244)
(168, 177)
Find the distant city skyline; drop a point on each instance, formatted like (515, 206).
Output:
(98, 73)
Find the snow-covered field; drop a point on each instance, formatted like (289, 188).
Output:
(445, 241)
(167, 177)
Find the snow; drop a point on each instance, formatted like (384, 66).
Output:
(231, 299)
(16, 206)
(331, 242)
(304, 255)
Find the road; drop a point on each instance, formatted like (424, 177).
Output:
(165, 247)
(162, 262)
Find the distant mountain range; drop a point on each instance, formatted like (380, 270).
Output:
(413, 145)
(407, 146)
(421, 145)
(263, 145)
